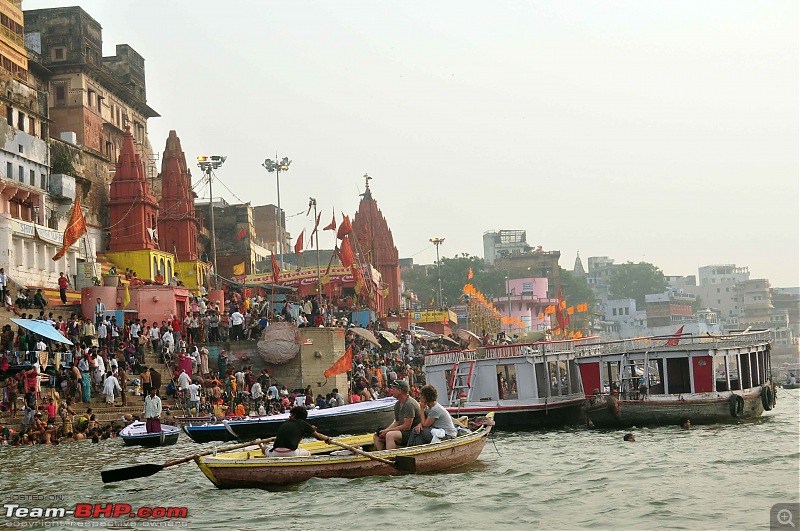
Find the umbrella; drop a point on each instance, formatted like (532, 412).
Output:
(466, 335)
(445, 339)
(389, 338)
(42, 328)
(366, 334)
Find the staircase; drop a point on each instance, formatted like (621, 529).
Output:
(461, 382)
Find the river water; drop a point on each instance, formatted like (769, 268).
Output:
(709, 477)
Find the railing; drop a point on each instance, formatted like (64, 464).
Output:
(592, 346)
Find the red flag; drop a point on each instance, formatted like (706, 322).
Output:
(276, 269)
(674, 341)
(470, 274)
(298, 247)
(345, 228)
(332, 224)
(342, 365)
(242, 233)
(75, 229)
(316, 226)
(346, 253)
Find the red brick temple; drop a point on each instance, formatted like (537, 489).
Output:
(374, 239)
(177, 223)
(133, 208)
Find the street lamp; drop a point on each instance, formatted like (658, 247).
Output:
(207, 165)
(508, 294)
(437, 242)
(277, 167)
(313, 202)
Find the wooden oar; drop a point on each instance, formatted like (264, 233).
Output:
(142, 471)
(402, 463)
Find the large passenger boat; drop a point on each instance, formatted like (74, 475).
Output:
(529, 386)
(664, 380)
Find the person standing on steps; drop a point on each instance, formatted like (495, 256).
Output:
(63, 282)
(3, 284)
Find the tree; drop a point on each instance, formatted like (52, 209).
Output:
(576, 290)
(634, 281)
(423, 280)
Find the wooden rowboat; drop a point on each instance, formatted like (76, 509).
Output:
(250, 468)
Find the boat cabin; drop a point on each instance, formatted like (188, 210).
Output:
(668, 366)
(496, 374)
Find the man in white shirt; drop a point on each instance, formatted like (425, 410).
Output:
(109, 386)
(135, 329)
(102, 333)
(193, 394)
(184, 380)
(152, 412)
(154, 337)
(3, 284)
(236, 326)
(40, 346)
(99, 311)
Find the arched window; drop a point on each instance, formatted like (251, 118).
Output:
(155, 268)
(169, 270)
(161, 269)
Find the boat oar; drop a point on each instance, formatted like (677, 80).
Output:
(402, 463)
(142, 471)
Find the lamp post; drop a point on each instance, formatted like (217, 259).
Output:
(508, 294)
(277, 167)
(313, 202)
(207, 165)
(437, 242)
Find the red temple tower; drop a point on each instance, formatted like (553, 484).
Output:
(134, 210)
(374, 239)
(177, 224)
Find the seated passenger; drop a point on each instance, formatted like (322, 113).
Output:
(437, 424)
(407, 415)
(291, 433)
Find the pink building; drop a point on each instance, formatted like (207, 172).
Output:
(528, 300)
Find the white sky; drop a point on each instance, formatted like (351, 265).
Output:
(641, 130)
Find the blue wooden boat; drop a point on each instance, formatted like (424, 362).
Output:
(136, 435)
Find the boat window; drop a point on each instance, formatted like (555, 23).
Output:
(507, 382)
(720, 374)
(563, 378)
(552, 371)
(610, 376)
(754, 378)
(541, 380)
(574, 378)
(733, 372)
(744, 363)
(763, 367)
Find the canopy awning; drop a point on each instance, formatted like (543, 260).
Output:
(366, 334)
(42, 328)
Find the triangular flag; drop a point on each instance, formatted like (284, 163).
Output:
(75, 229)
(346, 253)
(345, 228)
(276, 269)
(332, 224)
(298, 247)
(470, 274)
(316, 225)
(675, 340)
(342, 365)
(127, 300)
(242, 233)
(238, 269)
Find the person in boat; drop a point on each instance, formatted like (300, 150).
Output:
(629, 437)
(437, 424)
(792, 379)
(407, 415)
(291, 432)
(686, 424)
(152, 412)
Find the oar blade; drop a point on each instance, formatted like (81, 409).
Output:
(131, 472)
(405, 464)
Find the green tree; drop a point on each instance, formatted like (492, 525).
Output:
(576, 290)
(634, 281)
(424, 281)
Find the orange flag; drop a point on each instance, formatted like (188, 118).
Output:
(332, 224)
(346, 253)
(571, 310)
(298, 247)
(75, 229)
(276, 269)
(345, 228)
(342, 365)
(470, 274)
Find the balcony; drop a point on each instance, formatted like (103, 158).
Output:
(62, 187)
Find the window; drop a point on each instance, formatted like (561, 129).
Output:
(20, 148)
(10, 115)
(21, 174)
(31, 125)
(20, 120)
(613, 311)
(44, 181)
(32, 175)
(61, 93)
(627, 311)
(507, 382)
(59, 54)
(9, 170)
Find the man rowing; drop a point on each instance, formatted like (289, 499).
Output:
(291, 432)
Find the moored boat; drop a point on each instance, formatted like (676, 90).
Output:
(250, 468)
(663, 380)
(359, 417)
(528, 386)
(207, 432)
(136, 435)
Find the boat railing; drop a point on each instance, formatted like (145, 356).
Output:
(683, 341)
(449, 357)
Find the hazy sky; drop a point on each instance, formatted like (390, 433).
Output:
(641, 130)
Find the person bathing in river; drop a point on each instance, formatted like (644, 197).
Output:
(291, 432)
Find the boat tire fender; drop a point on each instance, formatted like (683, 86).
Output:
(766, 397)
(737, 405)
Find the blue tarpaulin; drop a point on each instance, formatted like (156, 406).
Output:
(42, 328)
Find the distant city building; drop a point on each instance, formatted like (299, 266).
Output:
(528, 299)
(577, 268)
(265, 223)
(668, 309)
(722, 273)
(503, 243)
